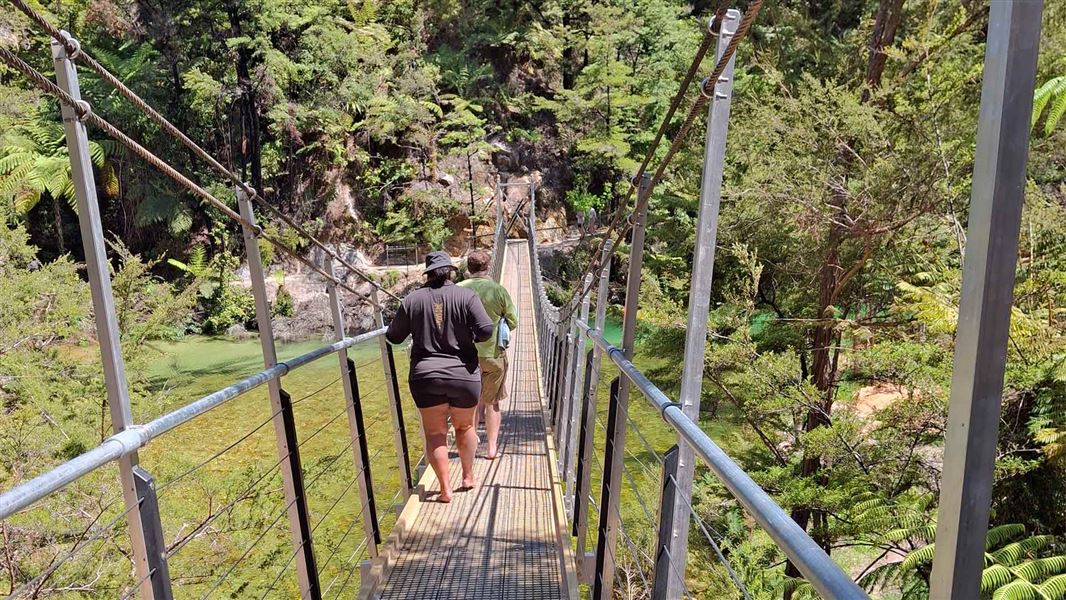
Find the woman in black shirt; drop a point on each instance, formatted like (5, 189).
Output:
(444, 320)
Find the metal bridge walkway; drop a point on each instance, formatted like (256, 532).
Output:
(501, 540)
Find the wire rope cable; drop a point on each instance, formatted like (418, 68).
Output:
(76, 52)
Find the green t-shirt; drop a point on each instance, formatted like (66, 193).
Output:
(498, 304)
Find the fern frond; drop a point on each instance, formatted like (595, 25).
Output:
(1054, 588)
(1040, 568)
(997, 536)
(917, 558)
(1017, 590)
(1058, 108)
(995, 577)
(1012, 553)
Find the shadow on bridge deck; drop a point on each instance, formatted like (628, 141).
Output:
(506, 539)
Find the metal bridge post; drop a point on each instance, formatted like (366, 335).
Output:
(107, 333)
(562, 400)
(392, 388)
(588, 420)
(699, 303)
(155, 544)
(556, 371)
(987, 296)
(667, 503)
(350, 384)
(610, 518)
(284, 424)
(575, 391)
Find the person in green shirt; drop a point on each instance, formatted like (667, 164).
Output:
(491, 357)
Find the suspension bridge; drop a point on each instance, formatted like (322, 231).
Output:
(546, 519)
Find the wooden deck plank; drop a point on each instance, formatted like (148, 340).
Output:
(502, 540)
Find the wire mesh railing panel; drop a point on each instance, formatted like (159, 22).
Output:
(74, 544)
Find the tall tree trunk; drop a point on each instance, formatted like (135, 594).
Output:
(823, 370)
(251, 150)
(889, 15)
(57, 216)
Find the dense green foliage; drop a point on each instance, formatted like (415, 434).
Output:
(372, 122)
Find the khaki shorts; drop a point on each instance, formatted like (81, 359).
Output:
(493, 379)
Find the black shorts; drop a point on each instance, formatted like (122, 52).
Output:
(455, 392)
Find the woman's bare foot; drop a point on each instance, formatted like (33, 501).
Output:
(493, 455)
(444, 497)
(469, 483)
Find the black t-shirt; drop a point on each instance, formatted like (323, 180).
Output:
(444, 321)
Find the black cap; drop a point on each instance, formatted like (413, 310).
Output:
(436, 260)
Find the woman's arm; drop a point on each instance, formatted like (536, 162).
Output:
(400, 327)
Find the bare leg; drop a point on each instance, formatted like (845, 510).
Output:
(466, 440)
(492, 428)
(435, 429)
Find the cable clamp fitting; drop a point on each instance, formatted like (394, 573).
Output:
(83, 110)
(662, 411)
(714, 25)
(71, 45)
(704, 91)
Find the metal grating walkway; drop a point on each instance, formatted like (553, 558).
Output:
(500, 540)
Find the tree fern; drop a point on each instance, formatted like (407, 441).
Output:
(34, 162)
(1051, 97)
(1011, 553)
(1054, 588)
(1017, 590)
(1013, 569)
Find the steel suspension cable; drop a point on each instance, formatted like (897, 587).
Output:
(673, 566)
(248, 550)
(77, 547)
(229, 506)
(314, 528)
(358, 551)
(714, 545)
(707, 90)
(205, 462)
(76, 52)
(85, 113)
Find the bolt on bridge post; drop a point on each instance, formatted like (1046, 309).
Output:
(610, 518)
(676, 520)
(281, 407)
(392, 388)
(92, 235)
(588, 422)
(355, 419)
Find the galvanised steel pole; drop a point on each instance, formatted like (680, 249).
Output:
(699, 304)
(584, 485)
(987, 295)
(92, 236)
(576, 393)
(566, 373)
(291, 471)
(610, 517)
(392, 388)
(362, 468)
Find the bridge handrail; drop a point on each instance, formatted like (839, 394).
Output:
(129, 440)
(820, 570)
